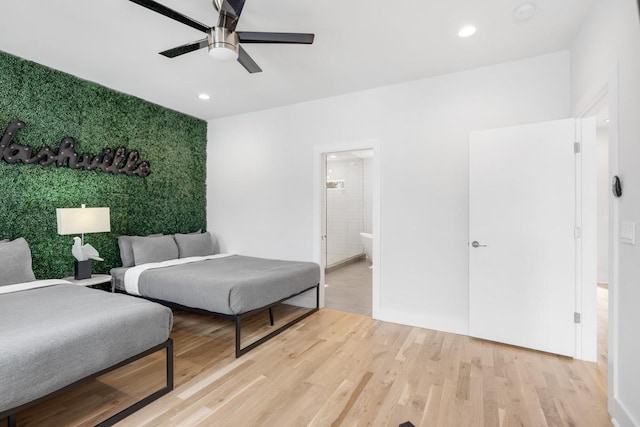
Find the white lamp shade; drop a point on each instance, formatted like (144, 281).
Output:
(83, 220)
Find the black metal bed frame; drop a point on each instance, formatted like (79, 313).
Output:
(237, 318)
(167, 346)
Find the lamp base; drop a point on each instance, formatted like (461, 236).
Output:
(82, 269)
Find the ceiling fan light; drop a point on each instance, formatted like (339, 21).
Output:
(223, 44)
(223, 53)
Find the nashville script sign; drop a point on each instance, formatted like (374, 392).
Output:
(120, 161)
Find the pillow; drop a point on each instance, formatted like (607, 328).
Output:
(154, 249)
(15, 262)
(195, 244)
(126, 251)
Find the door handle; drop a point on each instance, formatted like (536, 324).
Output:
(477, 244)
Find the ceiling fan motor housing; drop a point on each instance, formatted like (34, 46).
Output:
(223, 44)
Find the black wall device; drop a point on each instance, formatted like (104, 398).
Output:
(616, 186)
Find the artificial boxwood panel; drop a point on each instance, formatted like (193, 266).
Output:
(55, 105)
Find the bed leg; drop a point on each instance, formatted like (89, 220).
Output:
(238, 319)
(11, 420)
(169, 355)
(238, 337)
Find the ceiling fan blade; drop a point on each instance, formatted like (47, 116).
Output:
(170, 13)
(233, 7)
(258, 37)
(185, 48)
(247, 62)
(230, 11)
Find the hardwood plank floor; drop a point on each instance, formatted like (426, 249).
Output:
(343, 369)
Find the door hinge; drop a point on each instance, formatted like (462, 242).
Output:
(576, 147)
(576, 317)
(577, 233)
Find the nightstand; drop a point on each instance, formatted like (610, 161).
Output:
(94, 280)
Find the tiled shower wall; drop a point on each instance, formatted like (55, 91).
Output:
(348, 208)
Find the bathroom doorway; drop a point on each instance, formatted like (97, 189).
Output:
(348, 216)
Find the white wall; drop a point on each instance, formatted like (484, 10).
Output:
(260, 175)
(604, 188)
(608, 41)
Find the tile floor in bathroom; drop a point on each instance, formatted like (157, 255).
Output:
(349, 288)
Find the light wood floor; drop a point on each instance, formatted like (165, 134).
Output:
(343, 369)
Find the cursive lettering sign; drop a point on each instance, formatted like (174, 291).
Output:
(120, 161)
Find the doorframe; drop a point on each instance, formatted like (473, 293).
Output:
(586, 302)
(608, 94)
(319, 213)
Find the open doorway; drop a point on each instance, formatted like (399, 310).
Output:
(348, 218)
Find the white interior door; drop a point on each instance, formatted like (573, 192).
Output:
(522, 274)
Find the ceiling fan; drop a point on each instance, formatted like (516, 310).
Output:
(223, 40)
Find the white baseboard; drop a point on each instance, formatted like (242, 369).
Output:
(421, 320)
(620, 416)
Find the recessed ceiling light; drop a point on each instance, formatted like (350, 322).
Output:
(204, 96)
(333, 156)
(607, 120)
(467, 31)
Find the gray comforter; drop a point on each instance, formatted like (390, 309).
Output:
(230, 285)
(51, 337)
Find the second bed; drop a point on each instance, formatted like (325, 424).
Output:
(190, 277)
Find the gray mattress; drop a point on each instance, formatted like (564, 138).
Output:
(54, 336)
(231, 285)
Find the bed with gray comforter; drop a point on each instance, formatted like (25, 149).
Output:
(54, 333)
(185, 271)
(231, 285)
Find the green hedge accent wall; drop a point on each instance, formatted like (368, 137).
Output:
(55, 105)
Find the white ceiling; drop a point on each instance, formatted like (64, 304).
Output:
(359, 44)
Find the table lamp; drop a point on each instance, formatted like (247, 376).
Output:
(83, 221)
